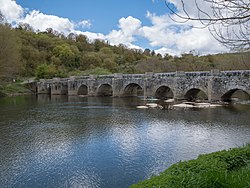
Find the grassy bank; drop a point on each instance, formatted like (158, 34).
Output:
(12, 89)
(219, 169)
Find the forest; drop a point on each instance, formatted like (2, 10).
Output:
(25, 53)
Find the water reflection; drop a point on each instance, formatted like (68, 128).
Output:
(60, 141)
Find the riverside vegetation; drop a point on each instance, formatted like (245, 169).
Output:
(219, 169)
(25, 53)
(28, 53)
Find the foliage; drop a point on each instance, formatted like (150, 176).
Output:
(12, 88)
(219, 169)
(9, 53)
(51, 54)
(48, 71)
(96, 71)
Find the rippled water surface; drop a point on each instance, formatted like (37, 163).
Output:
(106, 142)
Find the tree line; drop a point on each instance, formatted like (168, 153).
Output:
(25, 53)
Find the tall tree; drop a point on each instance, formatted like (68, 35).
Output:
(9, 53)
(227, 20)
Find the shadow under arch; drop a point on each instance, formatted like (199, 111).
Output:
(83, 90)
(133, 90)
(164, 92)
(104, 90)
(49, 90)
(195, 94)
(235, 95)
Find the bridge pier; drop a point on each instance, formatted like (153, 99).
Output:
(215, 85)
(117, 84)
(72, 86)
(59, 87)
(92, 85)
(149, 85)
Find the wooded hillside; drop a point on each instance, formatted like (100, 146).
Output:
(25, 53)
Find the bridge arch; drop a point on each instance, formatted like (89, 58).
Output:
(82, 90)
(164, 92)
(235, 94)
(104, 90)
(132, 90)
(195, 94)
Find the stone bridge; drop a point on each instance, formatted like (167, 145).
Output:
(211, 85)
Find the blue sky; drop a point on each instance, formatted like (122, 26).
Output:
(103, 14)
(134, 23)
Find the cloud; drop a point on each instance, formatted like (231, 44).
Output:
(191, 8)
(165, 50)
(84, 24)
(11, 10)
(165, 34)
(40, 21)
(91, 36)
(129, 27)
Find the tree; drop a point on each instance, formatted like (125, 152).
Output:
(68, 55)
(227, 20)
(9, 53)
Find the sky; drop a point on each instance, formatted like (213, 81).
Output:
(137, 24)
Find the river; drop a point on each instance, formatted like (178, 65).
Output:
(62, 141)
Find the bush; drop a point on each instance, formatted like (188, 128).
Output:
(97, 71)
(220, 169)
(48, 72)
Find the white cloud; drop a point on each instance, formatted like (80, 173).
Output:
(165, 50)
(164, 35)
(191, 8)
(85, 24)
(40, 21)
(128, 28)
(92, 36)
(179, 38)
(11, 11)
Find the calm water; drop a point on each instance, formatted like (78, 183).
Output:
(106, 142)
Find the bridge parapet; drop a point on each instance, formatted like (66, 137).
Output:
(133, 76)
(163, 75)
(198, 74)
(79, 77)
(238, 73)
(105, 76)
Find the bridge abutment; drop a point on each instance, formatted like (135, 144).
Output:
(59, 87)
(43, 87)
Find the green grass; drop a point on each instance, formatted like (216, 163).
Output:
(12, 89)
(229, 169)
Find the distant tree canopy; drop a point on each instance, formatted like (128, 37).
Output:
(9, 53)
(24, 53)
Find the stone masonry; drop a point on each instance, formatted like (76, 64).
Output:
(216, 85)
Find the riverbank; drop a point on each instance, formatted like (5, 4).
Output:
(219, 169)
(13, 89)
